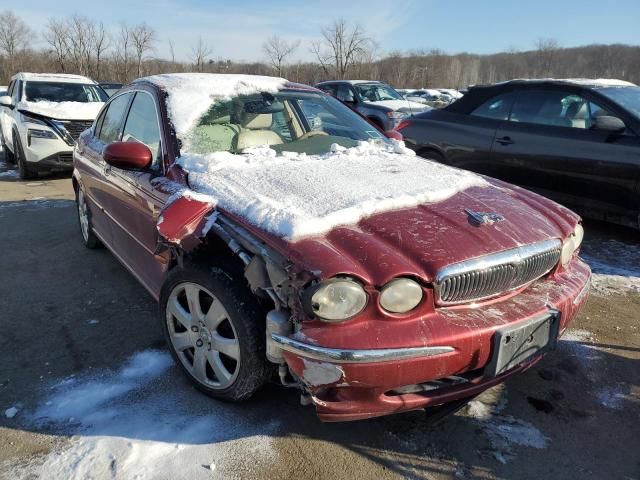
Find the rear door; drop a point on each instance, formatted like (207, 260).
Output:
(136, 202)
(548, 145)
(91, 166)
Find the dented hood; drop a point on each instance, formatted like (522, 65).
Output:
(420, 241)
(415, 241)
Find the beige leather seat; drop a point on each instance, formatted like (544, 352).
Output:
(257, 131)
(577, 114)
(214, 138)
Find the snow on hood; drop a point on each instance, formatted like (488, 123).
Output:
(399, 104)
(296, 195)
(63, 110)
(190, 95)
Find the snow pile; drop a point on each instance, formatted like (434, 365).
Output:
(190, 95)
(295, 195)
(143, 422)
(63, 110)
(615, 265)
(11, 412)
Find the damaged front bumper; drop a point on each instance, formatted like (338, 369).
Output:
(357, 383)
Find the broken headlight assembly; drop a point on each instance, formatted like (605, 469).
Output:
(571, 244)
(335, 300)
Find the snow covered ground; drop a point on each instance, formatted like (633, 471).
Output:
(131, 423)
(615, 264)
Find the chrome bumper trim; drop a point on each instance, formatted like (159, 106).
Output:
(337, 355)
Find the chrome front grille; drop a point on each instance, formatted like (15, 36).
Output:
(491, 275)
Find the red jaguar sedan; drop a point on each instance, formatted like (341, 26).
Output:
(286, 238)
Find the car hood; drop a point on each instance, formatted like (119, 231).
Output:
(399, 105)
(62, 110)
(420, 241)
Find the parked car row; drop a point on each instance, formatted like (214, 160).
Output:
(372, 280)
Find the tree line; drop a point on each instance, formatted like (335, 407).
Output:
(77, 44)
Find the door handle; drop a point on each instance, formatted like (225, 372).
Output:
(504, 140)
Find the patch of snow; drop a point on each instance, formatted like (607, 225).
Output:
(321, 373)
(56, 77)
(63, 110)
(611, 398)
(11, 412)
(9, 174)
(615, 265)
(190, 95)
(295, 195)
(504, 431)
(141, 421)
(399, 105)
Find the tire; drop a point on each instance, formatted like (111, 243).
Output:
(23, 168)
(222, 351)
(9, 157)
(84, 222)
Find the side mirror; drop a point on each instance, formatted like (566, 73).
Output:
(608, 123)
(6, 101)
(127, 155)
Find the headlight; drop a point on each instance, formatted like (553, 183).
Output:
(336, 300)
(29, 119)
(397, 115)
(571, 244)
(400, 295)
(41, 133)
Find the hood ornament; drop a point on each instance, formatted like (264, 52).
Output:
(481, 218)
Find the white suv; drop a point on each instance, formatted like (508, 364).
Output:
(42, 115)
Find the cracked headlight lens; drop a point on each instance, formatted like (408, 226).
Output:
(336, 300)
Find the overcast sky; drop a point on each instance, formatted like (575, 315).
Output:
(236, 29)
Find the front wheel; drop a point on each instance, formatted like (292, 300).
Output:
(215, 329)
(23, 167)
(9, 157)
(84, 219)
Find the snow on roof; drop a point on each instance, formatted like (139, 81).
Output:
(296, 195)
(190, 95)
(53, 77)
(594, 82)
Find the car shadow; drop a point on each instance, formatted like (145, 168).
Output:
(82, 354)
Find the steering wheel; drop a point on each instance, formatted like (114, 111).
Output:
(311, 133)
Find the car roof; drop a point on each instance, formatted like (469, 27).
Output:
(351, 82)
(478, 94)
(52, 77)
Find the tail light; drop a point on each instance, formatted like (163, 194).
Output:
(403, 124)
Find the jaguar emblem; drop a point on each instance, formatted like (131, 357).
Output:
(482, 218)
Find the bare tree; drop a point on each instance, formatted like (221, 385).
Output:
(340, 47)
(143, 38)
(547, 49)
(80, 37)
(56, 34)
(277, 50)
(122, 56)
(199, 53)
(101, 43)
(15, 36)
(172, 52)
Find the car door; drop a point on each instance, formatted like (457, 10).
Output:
(135, 199)
(92, 167)
(548, 145)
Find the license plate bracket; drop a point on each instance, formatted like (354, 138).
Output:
(516, 344)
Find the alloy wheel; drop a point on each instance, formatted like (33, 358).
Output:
(83, 216)
(203, 335)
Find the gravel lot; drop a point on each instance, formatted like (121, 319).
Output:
(87, 389)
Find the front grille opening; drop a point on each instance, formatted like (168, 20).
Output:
(494, 274)
(439, 384)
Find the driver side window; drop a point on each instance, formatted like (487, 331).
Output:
(109, 130)
(142, 126)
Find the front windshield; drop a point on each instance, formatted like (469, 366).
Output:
(63, 92)
(376, 92)
(288, 121)
(626, 97)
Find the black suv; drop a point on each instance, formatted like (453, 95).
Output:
(576, 141)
